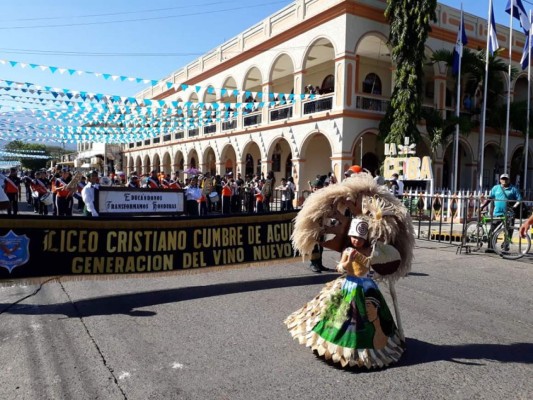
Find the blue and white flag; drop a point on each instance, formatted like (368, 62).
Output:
(524, 61)
(458, 50)
(493, 36)
(519, 12)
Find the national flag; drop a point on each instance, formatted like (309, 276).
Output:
(493, 37)
(458, 50)
(524, 61)
(519, 12)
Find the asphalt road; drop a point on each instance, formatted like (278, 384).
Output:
(220, 335)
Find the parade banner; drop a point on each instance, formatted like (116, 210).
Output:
(35, 249)
(118, 200)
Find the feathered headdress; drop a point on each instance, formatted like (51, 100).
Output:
(326, 215)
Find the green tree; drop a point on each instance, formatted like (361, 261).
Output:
(18, 146)
(409, 29)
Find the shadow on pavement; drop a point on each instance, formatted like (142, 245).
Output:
(127, 303)
(419, 352)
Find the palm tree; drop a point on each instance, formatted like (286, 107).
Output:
(473, 69)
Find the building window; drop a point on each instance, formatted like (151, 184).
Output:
(328, 85)
(372, 84)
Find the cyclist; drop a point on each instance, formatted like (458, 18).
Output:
(502, 193)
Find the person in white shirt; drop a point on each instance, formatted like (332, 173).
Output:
(88, 195)
(193, 193)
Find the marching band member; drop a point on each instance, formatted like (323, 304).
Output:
(64, 199)
(40, 188)
(89, 195)
(12, 190)
(153, 181)
(226, 196)
(192, 194)
(133, 182)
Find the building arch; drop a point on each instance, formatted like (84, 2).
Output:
(252, 82)
(520, 88)
(281, 74)
(517, 168)
(492, 164)
(210, 161)
(466, 175)
(192, 159)
(156, 163)
(166, 165)
(228, 90)
(179, 163)
(373, 57)
(317, 148)
(228, 160)
(251, 159)
(146, 165)
(318, 63)
(131, 164)
(366, 151)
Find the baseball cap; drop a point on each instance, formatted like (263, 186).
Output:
(504, 176)
(356, 169)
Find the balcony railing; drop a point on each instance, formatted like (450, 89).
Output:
(372, 103)
(252, 119)
(318, 105)
(283, 112)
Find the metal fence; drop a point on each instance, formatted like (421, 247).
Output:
(443, 217)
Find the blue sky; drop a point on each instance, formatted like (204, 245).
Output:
(133, 38)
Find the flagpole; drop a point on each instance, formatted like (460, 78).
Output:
(484, 109)
(526, 150)
(508, 89)
(457, 110)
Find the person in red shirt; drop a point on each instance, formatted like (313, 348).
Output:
(64, 200)
(226, 196)
(40, 187)
(153, 181)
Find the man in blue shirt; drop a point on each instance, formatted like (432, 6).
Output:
(504, 195)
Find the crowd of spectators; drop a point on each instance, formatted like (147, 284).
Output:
(53, 192)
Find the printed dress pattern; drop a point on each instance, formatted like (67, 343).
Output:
(349, 323)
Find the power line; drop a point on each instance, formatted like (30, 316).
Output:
(142, 19)
(195, 5)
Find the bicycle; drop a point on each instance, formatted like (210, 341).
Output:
(505, 239)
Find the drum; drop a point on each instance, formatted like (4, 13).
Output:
(105, 181)
(46, 199)
(213, 197)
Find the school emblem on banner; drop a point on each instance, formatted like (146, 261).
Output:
(14, 250)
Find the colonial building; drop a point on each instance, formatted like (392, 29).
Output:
(339, 46)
